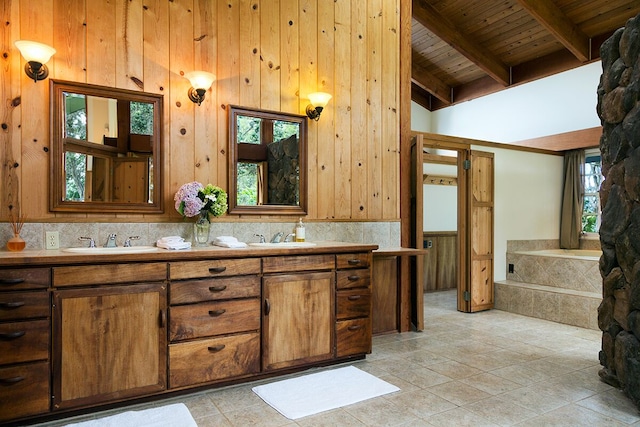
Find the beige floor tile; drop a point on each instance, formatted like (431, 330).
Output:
(499, 411)
(381, 412)
(572, 416)
(614, 404)
(459, 417)
(337, 417)
(421, 403)
(458, 393)
(455, 370)
(490, 383)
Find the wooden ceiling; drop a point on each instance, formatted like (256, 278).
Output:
(463, 49)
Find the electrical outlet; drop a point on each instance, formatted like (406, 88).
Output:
(52, 240)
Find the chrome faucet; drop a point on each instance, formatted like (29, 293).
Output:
(289, 238)
(92, 243)
(127, 243)
(261, 236)
(111, 241)
(277, 237)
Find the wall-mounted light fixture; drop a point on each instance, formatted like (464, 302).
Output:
(201, 81)
(318, 100)
(37, 55)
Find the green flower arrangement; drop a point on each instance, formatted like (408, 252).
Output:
(195, 199)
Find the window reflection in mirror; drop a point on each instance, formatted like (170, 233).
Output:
(267, 169)
(105, 147)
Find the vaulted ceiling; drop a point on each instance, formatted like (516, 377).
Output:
(463, 49)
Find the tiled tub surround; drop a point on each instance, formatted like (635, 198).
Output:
(384, 234)
(548, 284)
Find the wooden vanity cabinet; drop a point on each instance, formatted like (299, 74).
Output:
(214, 320)
(24, 342)
(353, 308)
(298, 310)
(110, 340)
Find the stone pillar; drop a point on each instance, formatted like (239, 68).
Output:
(619, 112)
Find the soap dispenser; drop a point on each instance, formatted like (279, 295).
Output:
(300, 231)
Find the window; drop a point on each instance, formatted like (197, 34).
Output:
(592, 180)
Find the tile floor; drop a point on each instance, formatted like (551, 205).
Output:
(484, 369)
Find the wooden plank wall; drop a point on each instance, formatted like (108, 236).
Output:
(268, 54)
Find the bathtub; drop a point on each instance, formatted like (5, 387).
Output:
(572, 269)
(582, 254)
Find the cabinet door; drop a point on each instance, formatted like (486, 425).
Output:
(298, 319)
(109, 343)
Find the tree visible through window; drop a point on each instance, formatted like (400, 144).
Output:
(592, 180)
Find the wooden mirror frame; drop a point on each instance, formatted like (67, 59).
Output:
(266, 209)
(57, 202)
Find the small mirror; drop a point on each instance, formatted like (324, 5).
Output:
(267, 162)
(105, 149)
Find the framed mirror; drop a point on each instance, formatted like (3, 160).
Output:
(105, 149)
(267, 162)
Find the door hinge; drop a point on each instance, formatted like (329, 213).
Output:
(467, 296)
(466, 165)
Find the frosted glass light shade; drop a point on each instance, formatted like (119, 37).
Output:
(319, 99)
(34, 51)
(200, 79)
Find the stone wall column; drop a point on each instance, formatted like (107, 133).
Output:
(619, 111)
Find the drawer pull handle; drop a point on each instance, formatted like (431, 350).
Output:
(353, 277)
(217, 288)
(217, 269)
(11, 305)
(354, 327)
(216, 348)
(354, 297)
(354, 261)
(163, 318)
(9, 282)
(216, 313)
(267, 307)
(11, 335)
(10, 381)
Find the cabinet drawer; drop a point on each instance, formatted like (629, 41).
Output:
(24, 278)
(24, 305)
(357, 260)
(24, 390)
(24, 341)
(353, 278)
(353, 303)
(109, 274)
(279, 264)
(353, 337)
(214, 359)
(190, 291)
(213, 268)
(214, 318)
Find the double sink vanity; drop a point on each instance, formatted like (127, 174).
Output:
(85, 329)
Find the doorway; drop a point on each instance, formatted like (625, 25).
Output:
(440, 220)
(474, 211)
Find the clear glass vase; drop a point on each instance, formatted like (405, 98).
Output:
(201, 229)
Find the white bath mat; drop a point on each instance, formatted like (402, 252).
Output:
(176, 415)
(310, 394)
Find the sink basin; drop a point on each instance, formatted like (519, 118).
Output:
(112, 251)
(284, 245)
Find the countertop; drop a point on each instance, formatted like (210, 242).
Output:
(60, 256)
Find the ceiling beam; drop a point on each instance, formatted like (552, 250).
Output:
(445, 30)
(430, 83)
(562, 28)
(421, 97)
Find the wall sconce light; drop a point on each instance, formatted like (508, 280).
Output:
(318, 100)
(201, 81)
(36, 54)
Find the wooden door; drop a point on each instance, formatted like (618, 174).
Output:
(298, 319)
(476, 290)
(109, 343)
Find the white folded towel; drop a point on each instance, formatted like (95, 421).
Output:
(228, 242)
(173, 243)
